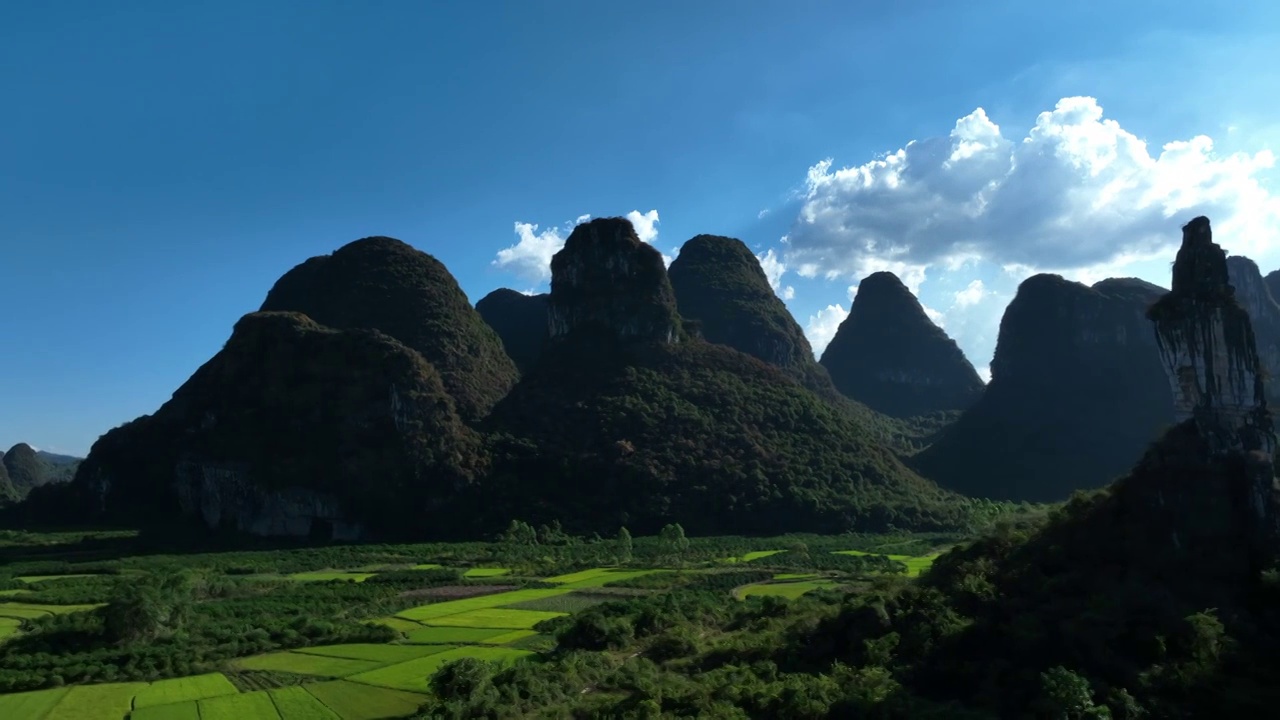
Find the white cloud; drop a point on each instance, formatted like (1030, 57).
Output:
(1078, 190)
(823, 326)
(530, 257)
(774, 269)
(645, 224)
(938, 318)
(760, 215)
(963, 218)
(972, 294)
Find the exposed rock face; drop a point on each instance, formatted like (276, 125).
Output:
(720, 285)
(1209, 353)
(1273, 283)
(1264, 314)
(1077, 392)
(292, 429)
(889, 355)
(607, 283)
(383, 284)
(520, 320)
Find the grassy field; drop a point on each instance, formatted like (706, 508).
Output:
(43, 578)
(753, 555)
(196, 687)
(8, 626)
(415, 674)
(355, 701)
(494, 618)
(571, 603)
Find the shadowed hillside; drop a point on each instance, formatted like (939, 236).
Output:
(520, 321)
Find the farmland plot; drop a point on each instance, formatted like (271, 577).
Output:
(308, 664)
(196, 687)
(353, 701)
(96, 702)
(495, 618)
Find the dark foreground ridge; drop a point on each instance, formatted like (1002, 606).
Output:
(889, 355)
(1153, 598)
(1077, 391)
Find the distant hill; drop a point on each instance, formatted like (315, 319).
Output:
(1077, 391)
(1255, 297)
(639, 423)
(24, 468)
(890, 356)
(520, 321)
(383, 284)
(720, 286)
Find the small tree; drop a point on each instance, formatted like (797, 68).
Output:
(673, 539)
(520, 533)
(624, 545)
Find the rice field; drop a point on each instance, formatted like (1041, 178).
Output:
(598, 577)
(96, 702)
(495, 618)
(415, 674)
(571, 603)
(330, 575)
(486, 572)
(753, 555)
(423, 613)
(42, 578)
(14, 593)
(397, 624)
(789, 590)
(30, 705)
(354, 701)
(915, 564)
(196, 687)
(454, 635)
(295, 703)
(245, 706)
(795, 576)
(189, 710)
(9, 626)
(427, 566)
(385, 654)
(306, 664)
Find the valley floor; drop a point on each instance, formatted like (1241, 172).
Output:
(354, 632)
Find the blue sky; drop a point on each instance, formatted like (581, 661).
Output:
(162, 163)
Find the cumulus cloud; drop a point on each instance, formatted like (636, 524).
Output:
(1078, 190)
(972, 294)
(823, 325)
(530, 257)
(774, 269)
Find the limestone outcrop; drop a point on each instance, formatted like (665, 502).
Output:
(607, 283)
(1208, 349)
(383, 284)
(292, 429)
(1273, 284)
(1077, 392)
(521, 321)
(890, 356)
(720, 286)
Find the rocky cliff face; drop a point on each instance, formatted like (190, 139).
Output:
(293, 429)
(720, 286)
(1257, 299)
(1210, 356)
(889, 355)
(1272, 281)
(1077, 392)
(521, 321)
(607, 283)
(383, 284)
